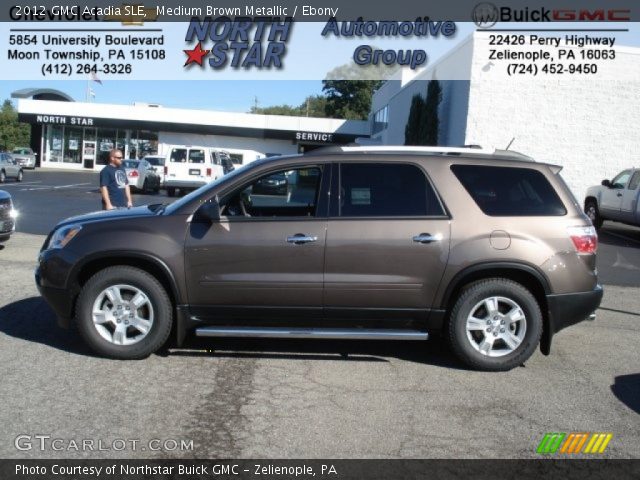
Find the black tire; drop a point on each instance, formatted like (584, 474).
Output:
(156, 294)
(171, 192)
(3, 176)
(20, 176)
(470, 297)
(145, 186)
(156, 190)
(593, 212)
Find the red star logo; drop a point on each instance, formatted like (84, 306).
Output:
(195, 55)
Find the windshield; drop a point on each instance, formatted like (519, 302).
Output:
(130, 164)
(209, 186)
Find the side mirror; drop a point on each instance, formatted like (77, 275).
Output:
(606, 183)
(210, 210)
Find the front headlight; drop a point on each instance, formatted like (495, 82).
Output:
(63, 235)
(13, 213)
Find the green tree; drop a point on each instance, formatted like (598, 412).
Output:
(423, 124)
(12, 133)
(430, 121)
(313, 106)
(350, 99)
(412, 129)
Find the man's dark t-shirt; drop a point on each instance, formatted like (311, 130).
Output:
(115, 179)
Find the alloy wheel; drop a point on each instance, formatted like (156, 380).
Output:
(122, 314)
(496, 326)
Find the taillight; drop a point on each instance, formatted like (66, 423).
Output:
(585, 239)
(133, 173)
(208, 172)
(166, 170)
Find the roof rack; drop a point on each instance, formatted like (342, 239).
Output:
(471, 150)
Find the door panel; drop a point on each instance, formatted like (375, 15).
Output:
(250, 263)
(266, 251)
(376, 263)
(388, 243)
(630, 199)
(611, 200)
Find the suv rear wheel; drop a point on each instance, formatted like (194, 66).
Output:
(124, 313)
(495, 325)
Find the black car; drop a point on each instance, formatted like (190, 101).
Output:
(7, 216)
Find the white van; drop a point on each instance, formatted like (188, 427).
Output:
(189, 167)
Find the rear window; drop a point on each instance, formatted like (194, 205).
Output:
(196, 156)
(130, 164)
(509, 191)
(178, 155)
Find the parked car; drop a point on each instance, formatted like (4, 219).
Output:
(276, 184)
(157, 162)
(487, 248)
(7, 216)
(617, 199)
(9, 168)
(142, 175)
(189, 167)
(24, 157)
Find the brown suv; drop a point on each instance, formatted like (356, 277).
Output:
(388, 243)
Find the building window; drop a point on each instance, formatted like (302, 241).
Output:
(72, 145)
(380, 120)
(142, 143)
(55, 136)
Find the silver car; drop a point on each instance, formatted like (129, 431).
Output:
(9, 168)
(142, 175)
(157, 162)
(24, 157)
(7, 216)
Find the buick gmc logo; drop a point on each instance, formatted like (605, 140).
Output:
(486, 15)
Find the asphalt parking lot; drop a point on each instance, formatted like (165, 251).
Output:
(304, 399)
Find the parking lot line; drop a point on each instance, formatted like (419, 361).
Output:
(54, 187)
(20, 184)
(624, 237)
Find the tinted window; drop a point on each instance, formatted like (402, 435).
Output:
(386, 190)
(621, 180)
(286, 193)
(130, 164)
(196, 156)
(157, 161)
(508, 191)
(635, 181)
(178, 155)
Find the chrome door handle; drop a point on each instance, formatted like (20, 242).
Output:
(301, 238)
(427, 238)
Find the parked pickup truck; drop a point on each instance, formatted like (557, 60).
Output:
(615, 199)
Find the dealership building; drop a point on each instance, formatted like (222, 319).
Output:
(78, 135)
(588, 124)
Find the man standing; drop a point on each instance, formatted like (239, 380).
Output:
(114, 185)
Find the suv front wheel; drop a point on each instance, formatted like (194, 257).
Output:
(495, 325)
(124, 313)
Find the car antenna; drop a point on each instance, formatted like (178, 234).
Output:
(508, 146)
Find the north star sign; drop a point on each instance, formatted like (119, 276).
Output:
(315, 136)
(63, 120)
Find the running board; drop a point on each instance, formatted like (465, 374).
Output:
(329, 333)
